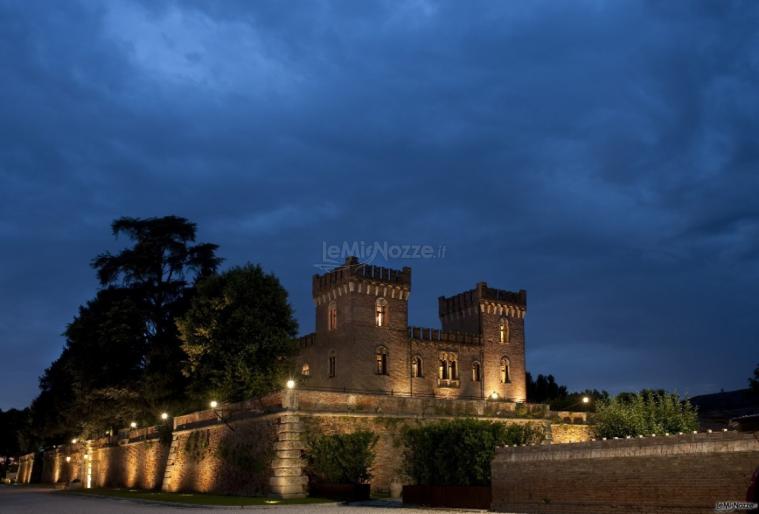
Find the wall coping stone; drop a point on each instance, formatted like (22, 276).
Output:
(659, 445)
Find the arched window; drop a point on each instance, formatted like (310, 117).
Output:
(381, 360)
(416, 367)
(332, 316)
(305, 370)
(332, 364)
(448, 369)
(505, 370)
(380, 315)
(503, 330)
(476, 372)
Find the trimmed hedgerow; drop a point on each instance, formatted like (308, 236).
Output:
(458, 452)
(342, 458)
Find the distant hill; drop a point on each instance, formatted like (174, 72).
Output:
(717, 409)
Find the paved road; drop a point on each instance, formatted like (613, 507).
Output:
(45, 501)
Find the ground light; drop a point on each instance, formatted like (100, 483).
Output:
(494, 395)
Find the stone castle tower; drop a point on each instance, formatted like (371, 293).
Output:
(363, 342)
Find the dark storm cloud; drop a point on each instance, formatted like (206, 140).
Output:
(601, 155)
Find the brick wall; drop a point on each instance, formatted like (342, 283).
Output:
(416, 406)
(653, 475)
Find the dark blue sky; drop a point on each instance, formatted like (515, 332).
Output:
(602, 155)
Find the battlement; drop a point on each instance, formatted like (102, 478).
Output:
(306, 340)
(352, 269)
(471, 300)
(433, 334)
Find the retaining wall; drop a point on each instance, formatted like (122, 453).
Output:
(256, 447)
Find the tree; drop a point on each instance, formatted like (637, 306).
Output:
(238, 335)
(754, 382)
(160, 271)
(546, 390)
(14, 435)
(122, 359)
(645, 413)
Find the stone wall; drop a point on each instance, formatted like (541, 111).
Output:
(221, 458)
(256, 447)
(652, 475)
(137, 464)
(566, 433)
(25, 466)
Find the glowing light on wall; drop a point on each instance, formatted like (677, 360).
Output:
(88, 479)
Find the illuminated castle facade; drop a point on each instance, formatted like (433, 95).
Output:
(363, 342)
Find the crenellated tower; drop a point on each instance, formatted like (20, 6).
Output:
(497, 316)
(361, 316)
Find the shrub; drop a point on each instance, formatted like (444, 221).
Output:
(643, 414)
(458, 452)
(342, 458)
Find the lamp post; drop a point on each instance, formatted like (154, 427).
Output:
(219, 414)
(290, 398)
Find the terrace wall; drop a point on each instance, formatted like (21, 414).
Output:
(255, 447)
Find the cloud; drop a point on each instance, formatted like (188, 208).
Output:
(602, 156)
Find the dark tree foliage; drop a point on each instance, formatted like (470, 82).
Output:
(56, 398)
(754, 382)
(15, 428)
(238, 335)
(545, 389)
(161, 269)
(122, 359)
(459, 452)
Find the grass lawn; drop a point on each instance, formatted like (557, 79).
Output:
(193, 498)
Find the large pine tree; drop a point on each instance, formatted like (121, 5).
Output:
(123, 357)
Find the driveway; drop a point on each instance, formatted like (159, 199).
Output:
(27, 500)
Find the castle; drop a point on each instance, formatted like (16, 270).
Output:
(363, 342)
